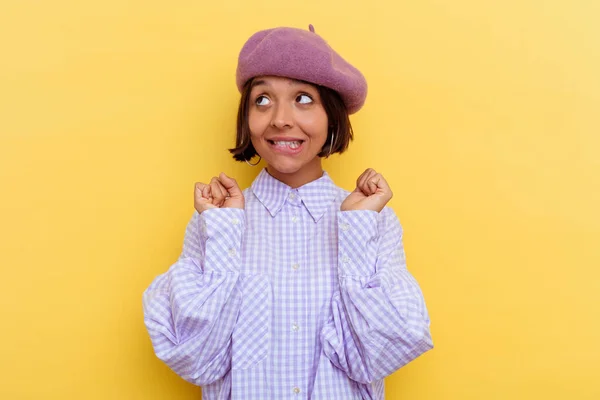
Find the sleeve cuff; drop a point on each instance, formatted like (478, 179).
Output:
(357, 240)
(223, 231)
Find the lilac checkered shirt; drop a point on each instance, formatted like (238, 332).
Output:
(289, 299)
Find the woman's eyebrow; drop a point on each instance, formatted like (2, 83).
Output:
(260, 82)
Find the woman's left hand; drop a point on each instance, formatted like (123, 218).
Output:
(372, 193)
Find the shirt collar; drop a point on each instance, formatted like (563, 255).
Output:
(316, 195)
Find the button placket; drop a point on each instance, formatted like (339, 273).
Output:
(295, 335)
(294, 201)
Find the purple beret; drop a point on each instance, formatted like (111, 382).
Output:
(303, 55)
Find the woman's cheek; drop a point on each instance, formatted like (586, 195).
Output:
(257, 126)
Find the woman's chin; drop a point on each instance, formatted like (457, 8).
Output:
(286, 168)
(290, 165)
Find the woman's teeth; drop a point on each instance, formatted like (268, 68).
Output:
(291, 145)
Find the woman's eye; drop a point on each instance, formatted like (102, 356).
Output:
(262, 101)
(304, 99)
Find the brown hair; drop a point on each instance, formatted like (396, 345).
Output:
(337, 117)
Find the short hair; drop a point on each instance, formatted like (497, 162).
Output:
(337, 118)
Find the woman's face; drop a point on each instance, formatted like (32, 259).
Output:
(288, 127)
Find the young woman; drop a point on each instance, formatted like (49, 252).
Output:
(293, 288)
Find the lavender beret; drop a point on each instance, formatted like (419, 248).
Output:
(303, 55)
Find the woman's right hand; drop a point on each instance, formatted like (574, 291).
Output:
(221, 192)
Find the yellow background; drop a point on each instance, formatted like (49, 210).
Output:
(483, 116)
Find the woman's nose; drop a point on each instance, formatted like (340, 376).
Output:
(282, 117)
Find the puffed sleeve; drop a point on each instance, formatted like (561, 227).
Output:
(378, 321)
(191, 310)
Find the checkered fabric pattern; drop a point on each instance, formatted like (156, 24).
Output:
(290, 298)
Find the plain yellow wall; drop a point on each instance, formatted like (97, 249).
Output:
(483, 115)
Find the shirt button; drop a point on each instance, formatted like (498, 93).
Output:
(295, 266)
(345, 260)
(294, 219)
(295, 327)
(232, 252)
(235, 221)
(292, 196)
(296, 390)
(345, 227)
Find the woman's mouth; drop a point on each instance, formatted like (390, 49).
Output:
(286, 146)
